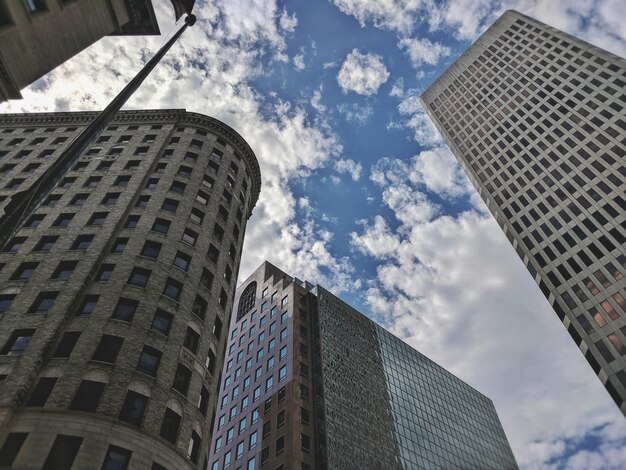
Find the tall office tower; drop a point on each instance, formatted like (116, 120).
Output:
(537, 120)
(38, 35)
(115, 294)
(310, 382)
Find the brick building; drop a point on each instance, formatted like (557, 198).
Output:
(537, 119)
(116, 294)
(311, 383)
(38, 35)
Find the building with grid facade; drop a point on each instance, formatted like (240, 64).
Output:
(311, 383)
(115, 295)
(537, 119)
(35, 38)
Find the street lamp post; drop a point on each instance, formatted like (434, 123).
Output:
(24, 203)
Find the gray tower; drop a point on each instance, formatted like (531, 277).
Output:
(116, 295)
(310, 382)
(537, 120)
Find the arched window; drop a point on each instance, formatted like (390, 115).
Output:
(246, 301)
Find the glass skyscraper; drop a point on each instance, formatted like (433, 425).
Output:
(310, 382)
(537, 120)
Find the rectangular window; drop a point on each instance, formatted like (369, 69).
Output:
(46, 243)
(11, 448)
(182, 379)
(161, 226)
(170, 426)
(149, 361)
(82, 242)
(172, 289)
(67, 343)
(63, 452)
(43, 303)
(162, 322)
(116, 458)
(125, 309)
(89, 305)
(88, 396)
(191, 340)
(42, 391)
(108, 349)
(106, 270)
(133, 408)
(64, 270)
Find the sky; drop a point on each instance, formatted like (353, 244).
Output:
(361, 195)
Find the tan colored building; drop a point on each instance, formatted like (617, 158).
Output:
(38, 35)
(116, 295)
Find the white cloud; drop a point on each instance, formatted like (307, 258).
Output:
(423, 51)
(362, 73)
(316, 101)
(388, 14)
(346, 165)
(424, 131)
(210, 70)
(438, 170)
(288, 22)
(355, 113)
(298, 62)
(377, 240)
(398, 88)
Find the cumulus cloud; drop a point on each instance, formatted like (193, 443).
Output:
(288, 22)
(209, 71)
(298, 62)
(362, 73)
(439, 172)
(416, 119)
(352, 168)
(423, 51)
(316, 101)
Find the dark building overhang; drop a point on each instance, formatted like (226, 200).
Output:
(142, 22)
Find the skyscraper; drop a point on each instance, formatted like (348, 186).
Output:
(38, 35)
(537, 120)
(116, 294)
(309, 382)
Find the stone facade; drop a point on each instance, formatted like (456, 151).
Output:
(120, 287)
(34, 35)
(537, 119)
(344, 393)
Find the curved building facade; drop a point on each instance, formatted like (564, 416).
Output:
(115, 297)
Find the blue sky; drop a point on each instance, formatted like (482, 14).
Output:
(361, 195)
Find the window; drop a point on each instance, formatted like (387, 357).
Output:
(66, 182)
(5, 302)
(282, 394)
(304, 416)
(184, 171)
(149, 361)
(92, 181)
(88, 396)
(190, 237)
(227, 458)
(161, 226)
(265, 455)
(217, 328)
(152, 183)
(151, 249)
(169, 205)
(119, 245)
(122, 181)
(42, 391)
(182, 379)
(305, 443)
(242, 425)
(142, 201)
(172, 289)
(203, 401)
(170, 426)
(64, 270)
(269, 383)
(196, 216)
(35, 221)
(133, 408)
(182, 260)
(14, 245)
(283, 334)
(199, 307)
(97, 218)
(194, 446)
(255, 417)
(192, 340)
(108, 349)
(67, 343)
(271, 344)
(14, 183)
(256, 394)
(213, 253)
(280, 445)
(230, 434)
(110, 198)
(106, 270)
(82, 242)
(89, 305)
(283, 353)
(63, 220)
(79, 199)
(210, 361)
(283, 303)
(162, 321)
(218, 232)
(116, 458)
(251, 464)
(202, 198)
(46, 243)
(282, 373)
(24, 271)
(280, 418)
(207, 278)
(178, 187)
(43, 303)
(52, 200)
(11, 448)
(63, 452)
(125, 309)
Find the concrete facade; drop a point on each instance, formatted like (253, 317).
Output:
(343, 392)
(537, 119)
(137, 252)
(38, 35)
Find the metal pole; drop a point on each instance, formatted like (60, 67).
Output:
(24, 203)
